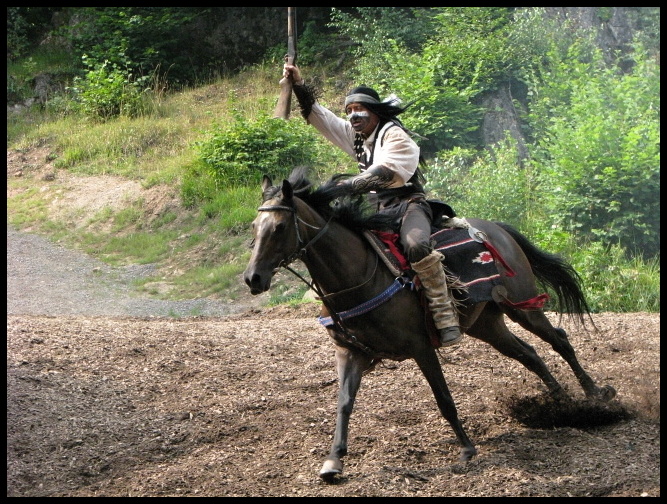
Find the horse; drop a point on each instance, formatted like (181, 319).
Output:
(323, 227)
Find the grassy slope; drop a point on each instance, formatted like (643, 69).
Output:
(112, 190)
(199, 253)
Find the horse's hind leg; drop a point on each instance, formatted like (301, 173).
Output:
(430, 367)
(537, 323)
(490, 327)
(351, 366)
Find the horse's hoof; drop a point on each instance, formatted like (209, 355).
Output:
(467, 454)
(607, 393)
(331, 468)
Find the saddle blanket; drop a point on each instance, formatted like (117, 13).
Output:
(471, 262)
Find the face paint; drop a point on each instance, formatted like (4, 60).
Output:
(362, 114)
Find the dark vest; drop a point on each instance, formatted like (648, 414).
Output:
(413, 185)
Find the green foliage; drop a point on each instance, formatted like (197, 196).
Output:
(25, 26)
(18, 88)
(107, 91)
(458, 54)
(469, 50)
(487, 185)
(378, 36)
(372, 28)
(444, 115)
(311, 45)
(600, 149)
(647, 21)
(241, 152)
(613, 282)
(198, 184)
(314, 46)
(17, 36)
(138, 39)
(468, 55)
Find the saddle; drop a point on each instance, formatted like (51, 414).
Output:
(470, 260)
(470, 266)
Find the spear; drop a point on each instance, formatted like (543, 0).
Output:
(285, 99)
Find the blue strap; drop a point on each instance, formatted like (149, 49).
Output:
(385, 296)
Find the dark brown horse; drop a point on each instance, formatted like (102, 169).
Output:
(316, 226)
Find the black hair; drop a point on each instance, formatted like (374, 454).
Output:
(387, 110)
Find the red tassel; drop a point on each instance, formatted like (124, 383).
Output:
(390, 240)
(536, 303)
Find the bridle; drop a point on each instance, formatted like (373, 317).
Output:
(301, 246)
(301, 250)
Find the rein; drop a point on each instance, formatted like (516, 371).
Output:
(335, 319)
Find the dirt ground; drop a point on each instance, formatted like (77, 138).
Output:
(244, 405)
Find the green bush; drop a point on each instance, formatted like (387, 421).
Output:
(17, 33)
(240, 153)
(138, 39)
(613, 282)
(599, 154)
(197, 185)
(107, 91)
(488, 185)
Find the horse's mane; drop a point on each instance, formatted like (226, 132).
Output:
(336, 201)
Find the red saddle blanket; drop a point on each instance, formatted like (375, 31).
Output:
(471, 262)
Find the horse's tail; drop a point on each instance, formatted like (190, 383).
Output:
(555, 273)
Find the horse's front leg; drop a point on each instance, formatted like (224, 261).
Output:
(350, 365)
(430, 367)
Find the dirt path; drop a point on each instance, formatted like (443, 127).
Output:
(44, 278)
(244, 405)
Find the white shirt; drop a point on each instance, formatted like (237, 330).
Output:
(396, 150)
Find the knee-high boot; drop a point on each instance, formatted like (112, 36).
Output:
(432, 277)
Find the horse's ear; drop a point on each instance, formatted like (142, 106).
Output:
(266, 182)
(288, 192)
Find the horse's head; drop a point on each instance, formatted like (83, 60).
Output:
(293, 218)
(276, 239)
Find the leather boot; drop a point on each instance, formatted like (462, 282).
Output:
(433, 279)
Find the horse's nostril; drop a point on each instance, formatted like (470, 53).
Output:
(254, 281)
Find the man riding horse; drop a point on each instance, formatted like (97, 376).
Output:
(389, 163)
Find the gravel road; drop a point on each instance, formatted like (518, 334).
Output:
(44, 278)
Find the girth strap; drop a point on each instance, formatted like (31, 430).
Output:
(369, 305)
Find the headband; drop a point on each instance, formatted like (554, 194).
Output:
(359, 98)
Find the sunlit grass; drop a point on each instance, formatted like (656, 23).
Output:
(217, 281)
(26, 208)
(234, 208)
(137, 247)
